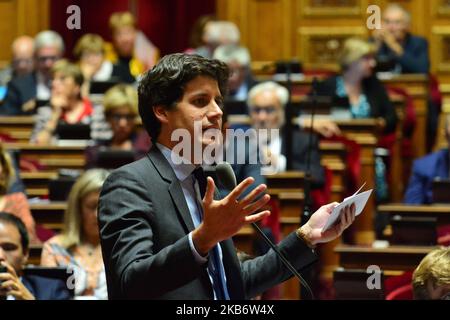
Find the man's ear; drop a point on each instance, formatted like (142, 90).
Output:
(161, 113)
(25, 257)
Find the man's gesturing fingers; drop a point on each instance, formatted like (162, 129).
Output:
(240, 189)
(257, 216)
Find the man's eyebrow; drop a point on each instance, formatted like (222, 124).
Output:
(199, 94)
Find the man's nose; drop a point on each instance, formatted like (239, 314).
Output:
(214, 110)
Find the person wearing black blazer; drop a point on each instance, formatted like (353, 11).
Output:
(266, 103)
(159, 239)
(16, 284)
(357, 87)
(43, 288)
(23, 92)
(397, 48)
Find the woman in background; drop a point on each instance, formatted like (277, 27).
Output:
(15, 203)
(67, 105)
(367, 97)
(120, 106)
(78, 247)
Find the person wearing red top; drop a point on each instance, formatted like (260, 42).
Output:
(66, 104)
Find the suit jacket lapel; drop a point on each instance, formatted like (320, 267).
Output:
(28, 285)
(175, 190)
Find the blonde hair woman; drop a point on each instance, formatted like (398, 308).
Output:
(431, 279)
(15, 203)
(78, 246)
(120, 106)
(90, 53)
(130, 48)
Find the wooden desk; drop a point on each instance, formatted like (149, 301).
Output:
(417, 86)
(333, 156)
(36, 183)
(49, 215)
(52, 157)
(365, 132)
(18, 128)
(391, 258)
(441, 212)
(34, 257)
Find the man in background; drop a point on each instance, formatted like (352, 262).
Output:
(23, 92)
(408, 53)
(14, 250)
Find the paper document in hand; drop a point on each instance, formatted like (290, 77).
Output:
(359, 199)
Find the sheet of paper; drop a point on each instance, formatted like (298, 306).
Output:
(359, 199)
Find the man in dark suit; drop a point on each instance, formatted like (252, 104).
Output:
(163, 234)
(14, 284)
(24, 91)
(266, 104)
(408, 53)
(425, 170)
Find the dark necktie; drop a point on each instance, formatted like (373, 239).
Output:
(214, 265)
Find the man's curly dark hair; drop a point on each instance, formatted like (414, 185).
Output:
(164, 85)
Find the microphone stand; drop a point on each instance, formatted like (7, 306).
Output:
(308, 177)
(284, 260)
(288, 118)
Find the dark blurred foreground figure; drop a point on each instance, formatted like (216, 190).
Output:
(14, 285)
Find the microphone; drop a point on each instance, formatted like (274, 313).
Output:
(227, 178)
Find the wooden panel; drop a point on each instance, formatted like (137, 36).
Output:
(320, 46)
(8, 27)
(21, 17)
(332, 8)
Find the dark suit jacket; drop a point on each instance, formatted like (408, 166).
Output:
(46, 289)
(20, 91)
(380, 105)
(424, 171)
(144, 224)
(415, 58)
(300, 141)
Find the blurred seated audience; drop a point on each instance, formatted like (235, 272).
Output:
(131, 51)
(238, 60)
(25, 90)
(67, 106)
(14, 251)
(120, 106)
(78, 247)
(90, 53)
(431, 279)
(22, 63)
(197, 37)
(215, 34)
(266, 102)
(15, 203)
(396, 46)
(357, 88)
(425, 170)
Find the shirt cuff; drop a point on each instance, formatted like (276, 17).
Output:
(198, 258)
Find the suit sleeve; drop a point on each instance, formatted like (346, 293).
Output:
(136, 266)
(264, 272)
(12, 103)
(416, 60)
(416, 191)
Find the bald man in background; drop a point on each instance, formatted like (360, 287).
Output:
(22, 60)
